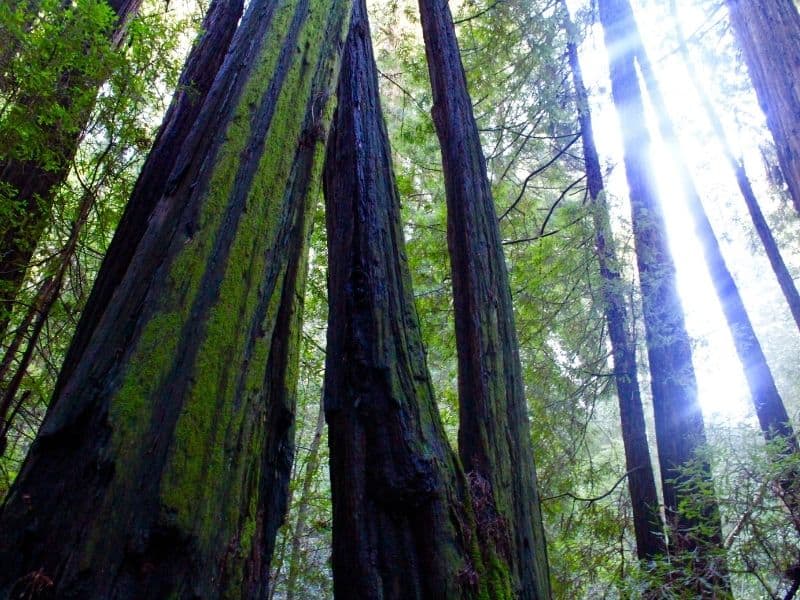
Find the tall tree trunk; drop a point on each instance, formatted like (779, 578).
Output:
(770, 410)
(768, 32)
(647, 523)
(760, 224)
(202, 66)
(33, 183)
(494, 433)
(692, 517)
(402, 524)
(162, 468)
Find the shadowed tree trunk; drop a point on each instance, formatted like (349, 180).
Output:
(30, 185)
(647, 523)
(680, 430)
(768, 32)
(402, 521)
(494, 433)
(162, 468)
(760, 224)
(198, 75)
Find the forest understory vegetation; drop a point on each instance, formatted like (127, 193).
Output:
(395, 299)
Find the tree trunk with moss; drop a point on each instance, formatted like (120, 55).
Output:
(202, 66)
(691, 509)
(768, 33)
(402, 521)
(494, 433)
(648, 525)
(162, 468)
(28, 185)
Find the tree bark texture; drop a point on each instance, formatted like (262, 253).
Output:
(162, 468)
(202, 66)
(33, 183)
(768, 33)
(647, 523)
(403, 527)
(680, 430)
(494, 433)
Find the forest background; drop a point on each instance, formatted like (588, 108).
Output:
(517, 66)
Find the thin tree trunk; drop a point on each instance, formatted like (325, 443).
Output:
(494, 434)
(692, 517)
(760, 224)
(162, 468)
(647, 523)
(312, 466)
(768, 32)
(402, 524)
(34, 183)
(199, 73)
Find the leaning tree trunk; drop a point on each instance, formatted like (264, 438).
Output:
(30, 184)
(692, 517)
(162, 468)
(768, 32)
(202, 65)
(494, 433)
(770, 410)
(402, 521)
(648, 526)
(760, 224)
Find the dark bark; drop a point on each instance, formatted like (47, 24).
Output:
(494, 433)
(680, 430)
(402, 524)
(33, 183)
(768, 33)
(760, 224)
(647, 523)
(162, 468)
(202, 65)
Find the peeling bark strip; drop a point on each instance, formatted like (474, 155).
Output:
(494, 434)
(768, 32)
(402, 521)
(33, 184)
(680, 430)
(162, 468)
(202, 66)
(647, 523)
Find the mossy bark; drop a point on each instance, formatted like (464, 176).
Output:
(494, 433)
(199, 73)
(647, 523)
(403, 527)
(31, 184)
(768, 32)
(692, 512)
(161, 471)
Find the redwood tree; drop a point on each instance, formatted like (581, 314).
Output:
(647, 523)
(693, 516)
(494, 434)
(768, 33)
(402, 521)
(161, 469)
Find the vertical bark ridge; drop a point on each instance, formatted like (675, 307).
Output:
(647, 523)
(170, 444)
(402, 522)
(494, 432)
(680, 430)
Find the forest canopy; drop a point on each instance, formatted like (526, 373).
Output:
(399, 299)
